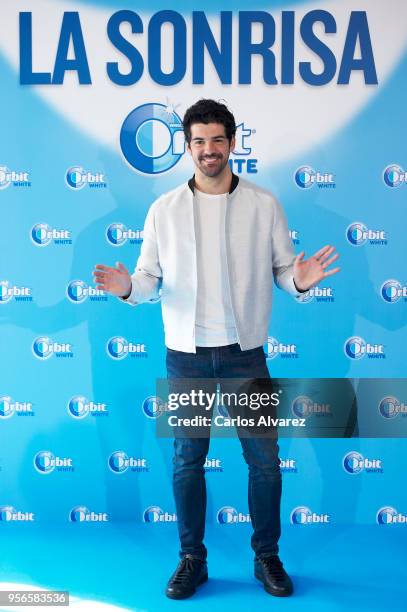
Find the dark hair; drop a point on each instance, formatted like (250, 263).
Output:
(209, 111)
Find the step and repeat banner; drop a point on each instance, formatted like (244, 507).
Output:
(92, 99)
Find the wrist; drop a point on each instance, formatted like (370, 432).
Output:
(127, 295)
(299, 288)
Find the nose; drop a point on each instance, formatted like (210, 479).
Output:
(210, 148)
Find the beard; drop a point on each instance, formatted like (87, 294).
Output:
(214, 168)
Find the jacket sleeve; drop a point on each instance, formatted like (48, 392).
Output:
(146, 279)
(283, 253)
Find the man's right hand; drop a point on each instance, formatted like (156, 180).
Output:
(113, 280)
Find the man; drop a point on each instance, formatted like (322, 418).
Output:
(210, 251)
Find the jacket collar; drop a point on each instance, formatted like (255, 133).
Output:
(233, 184)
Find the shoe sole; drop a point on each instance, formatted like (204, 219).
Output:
(269, 590)
(185, 596)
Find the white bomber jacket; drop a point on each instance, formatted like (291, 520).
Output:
(258, 248)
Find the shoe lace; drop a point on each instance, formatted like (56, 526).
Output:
(185, 568)
(274, 567)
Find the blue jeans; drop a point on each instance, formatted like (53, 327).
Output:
(261, 455)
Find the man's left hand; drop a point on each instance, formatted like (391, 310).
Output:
(309, 272)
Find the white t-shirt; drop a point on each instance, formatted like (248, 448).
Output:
(214, 324)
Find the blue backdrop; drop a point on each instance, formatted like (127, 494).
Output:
(90, 137)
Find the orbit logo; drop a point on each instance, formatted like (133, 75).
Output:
(288, 466)
(306, 177)
(302, 515)
(9, 514)
(274, 348)
(42, 235)
(153, 407)
(8, 408)
(355, 463)
(78, 291)
(152, 138)
(213, 465)
(392, 291)
(389, 516)
(118, 348)
(8, 292)
(391, 407)
(155, 514)
(321, 294)
(76, 178)
(295, 236)
(119, 462)
(11, 177)
(228, 515)
(302, 406)
(242, 150)
(80, 407)
(118, 234)
(356, 348)
(46, 462)
(43, 348)
(357, 234)
(81, 514)
(394, 176)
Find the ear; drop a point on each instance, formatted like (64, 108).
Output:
(188, 148)
(232, 144)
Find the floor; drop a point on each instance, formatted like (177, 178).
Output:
(123, 566)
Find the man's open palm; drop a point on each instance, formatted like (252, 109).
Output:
(309, 272)
(112, 280)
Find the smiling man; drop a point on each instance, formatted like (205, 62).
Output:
(210, 252)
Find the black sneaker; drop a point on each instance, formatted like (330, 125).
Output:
(272, 574)
(190, 573)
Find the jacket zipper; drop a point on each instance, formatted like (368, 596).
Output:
(227, 266)
(196, 270)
